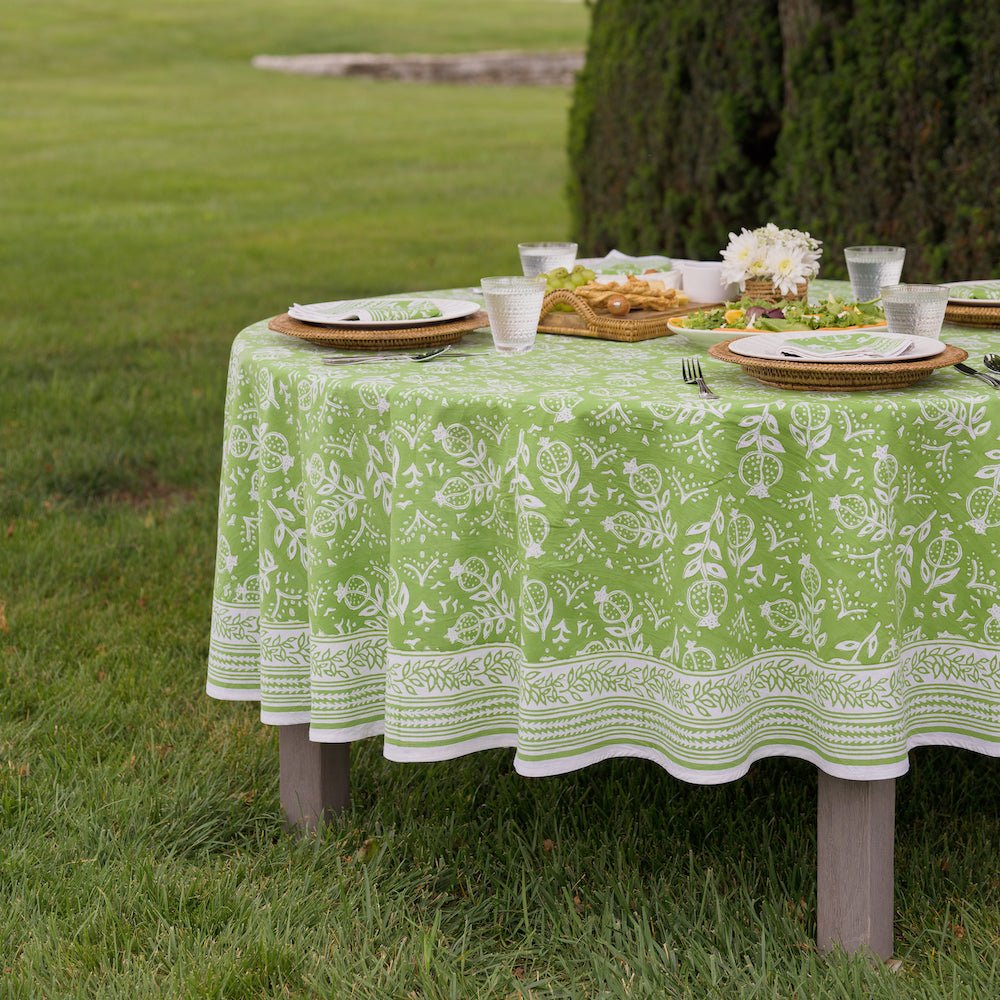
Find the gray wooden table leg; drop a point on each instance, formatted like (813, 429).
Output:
(315, 777)
(856, 836)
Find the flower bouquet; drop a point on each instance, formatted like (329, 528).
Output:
(771, 263)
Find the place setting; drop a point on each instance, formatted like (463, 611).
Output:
(831, 361)
(400, 322)
(974, 303)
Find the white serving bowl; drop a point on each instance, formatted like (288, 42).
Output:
(703, 339)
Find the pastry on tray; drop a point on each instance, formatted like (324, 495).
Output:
(635, 293)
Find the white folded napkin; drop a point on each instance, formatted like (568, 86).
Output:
(370, 311)
(846, 347)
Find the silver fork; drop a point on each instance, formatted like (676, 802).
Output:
(692, 375)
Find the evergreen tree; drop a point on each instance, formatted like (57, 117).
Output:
(873, 121)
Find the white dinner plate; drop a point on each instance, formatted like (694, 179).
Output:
(705, 337)
(963, 293)
(336, 313)
(769, 347)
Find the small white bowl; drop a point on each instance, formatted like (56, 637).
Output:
(703, 282)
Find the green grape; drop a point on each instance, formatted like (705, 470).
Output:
(552, 282)
(560, 278)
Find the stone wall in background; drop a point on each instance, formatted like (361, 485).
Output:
(499, 68)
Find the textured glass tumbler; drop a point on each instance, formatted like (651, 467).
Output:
(872, 268)
(915, 310)
(540, 258)
(513, 305)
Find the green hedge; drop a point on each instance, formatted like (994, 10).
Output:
(871, 121)
(674, 123)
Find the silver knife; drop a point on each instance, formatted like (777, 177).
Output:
(988, 379)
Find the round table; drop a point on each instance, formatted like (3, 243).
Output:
(571, 553)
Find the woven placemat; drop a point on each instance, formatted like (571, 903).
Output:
(970, 315)
(822, 377)
(585, 321)
(361, 339)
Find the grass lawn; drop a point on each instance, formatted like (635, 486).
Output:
(157, 194)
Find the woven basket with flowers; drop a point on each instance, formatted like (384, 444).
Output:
(771, 264)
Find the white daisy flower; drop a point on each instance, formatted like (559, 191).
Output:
(787, 268)
(738, 254)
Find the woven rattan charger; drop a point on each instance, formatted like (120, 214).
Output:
(823, 377)
(584, 321)
(972, 315)
(357, 338)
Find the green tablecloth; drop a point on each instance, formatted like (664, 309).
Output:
(570, 553)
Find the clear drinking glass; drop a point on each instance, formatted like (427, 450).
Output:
(872, 268)
(915, 310)
(539, 258)
(513, 305)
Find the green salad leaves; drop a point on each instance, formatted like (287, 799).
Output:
(754, 314)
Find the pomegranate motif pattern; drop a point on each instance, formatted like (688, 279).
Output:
(570, 553)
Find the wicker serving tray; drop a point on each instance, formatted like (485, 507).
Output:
(359, 339)
(971, 315)
(584, 321)
(820, 377)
